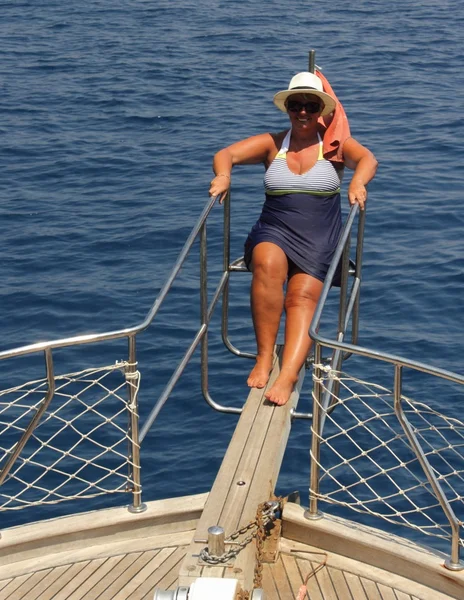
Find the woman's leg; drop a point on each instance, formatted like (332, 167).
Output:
(303, 293)
(270, 270)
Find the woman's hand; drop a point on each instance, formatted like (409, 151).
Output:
(364, 164)
(220, 186)
(357, 193)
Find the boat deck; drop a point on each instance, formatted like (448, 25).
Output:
(114, 554)
(135, 575)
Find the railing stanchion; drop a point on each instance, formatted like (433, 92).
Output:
(225, 294)
(204, 308)
(313, 513)
(225, 266)
(133, 377)
(358, 276)
(453, 563)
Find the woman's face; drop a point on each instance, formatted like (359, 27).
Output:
(304, 110)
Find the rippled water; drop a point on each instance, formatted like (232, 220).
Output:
(111, 113)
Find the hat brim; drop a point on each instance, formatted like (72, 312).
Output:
(329, 103)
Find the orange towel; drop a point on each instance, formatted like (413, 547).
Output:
(336, 126)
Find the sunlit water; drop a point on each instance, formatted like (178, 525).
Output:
(111, 113)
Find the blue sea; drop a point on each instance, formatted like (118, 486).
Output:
(111, 114)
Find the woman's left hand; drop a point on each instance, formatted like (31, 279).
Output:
(357, 193)
(219, 186)
(364, 164)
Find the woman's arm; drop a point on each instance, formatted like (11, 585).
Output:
(364, 164)
(253, 150)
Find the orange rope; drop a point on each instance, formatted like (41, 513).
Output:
(302, 592)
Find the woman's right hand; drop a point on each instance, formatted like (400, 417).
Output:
(220, 186)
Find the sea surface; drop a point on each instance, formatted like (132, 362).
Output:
(111, 113)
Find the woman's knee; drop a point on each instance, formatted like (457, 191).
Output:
(304, 293)
(269, 263)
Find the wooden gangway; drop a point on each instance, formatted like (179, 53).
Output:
(247, 477)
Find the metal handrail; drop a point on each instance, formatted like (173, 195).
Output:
(201, 337)
(130, 333)
(35, 419)
(342, 350)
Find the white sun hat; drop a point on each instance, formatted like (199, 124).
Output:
(305, 83)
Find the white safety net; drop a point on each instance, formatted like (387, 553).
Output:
(81, 446)
(367, 462)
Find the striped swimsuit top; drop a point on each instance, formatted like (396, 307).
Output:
(321, 180)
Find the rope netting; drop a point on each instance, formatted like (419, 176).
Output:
(80, 447)
(367, 463)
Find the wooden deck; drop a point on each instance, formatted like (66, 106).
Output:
(135, 575)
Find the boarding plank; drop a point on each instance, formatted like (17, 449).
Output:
(238, 457)
(254, 456)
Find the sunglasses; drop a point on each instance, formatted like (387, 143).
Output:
(310, 107)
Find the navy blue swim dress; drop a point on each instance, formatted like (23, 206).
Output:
(301, 213)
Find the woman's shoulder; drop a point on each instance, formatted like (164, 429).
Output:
(269, 138)
(278, 138)
(264, 145)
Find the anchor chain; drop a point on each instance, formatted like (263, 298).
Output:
(264, 515)
(261, 533)
(260, 536)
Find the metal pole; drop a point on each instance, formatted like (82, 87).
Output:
(132, 377)
(35, 420)
(204, 307)
(312, 61)
(225, 295)
(313, 513)
(358, 275)
(344, 286)
(453, 563)
(225, 266)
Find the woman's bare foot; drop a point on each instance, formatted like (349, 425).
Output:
(259, 375)
(282, 389)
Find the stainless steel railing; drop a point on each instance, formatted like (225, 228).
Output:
(340, 351)
(138, 434)
(131, 334)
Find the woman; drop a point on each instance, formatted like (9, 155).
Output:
(295, 237)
